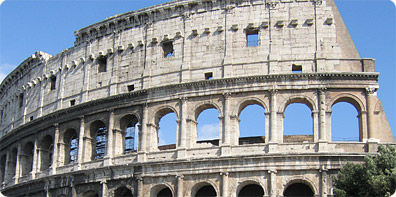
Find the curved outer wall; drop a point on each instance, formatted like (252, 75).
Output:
(118, 72)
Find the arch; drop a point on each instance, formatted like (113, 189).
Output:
(246, 102)
(210, 129)
(11, 164)
(46, 152)
(205, 105)
(348, 98)
(162, 143)
(298, 99)
(123, 192)
(243, 185)
(91, 193)
(298, 123)
(356, 103)
(129, 125)
(298, 189)
(70, 139)
(252, 129)
(27, 158)
(345, 123)
(98, 131)
(3, 160)
(251, 190)
(301, 180)
(162, 190)
(162, 111)
(207, 189)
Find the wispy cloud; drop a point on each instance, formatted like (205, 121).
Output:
(5, 69)
(1, 1)
(208, 132)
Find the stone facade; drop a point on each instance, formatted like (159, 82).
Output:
(184, 57)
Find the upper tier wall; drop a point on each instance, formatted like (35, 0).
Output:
(209, 39)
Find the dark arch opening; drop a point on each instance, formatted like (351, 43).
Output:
(344, 122)
(123, 192)
(298, 189)
(166, 192)
(91, 194)
(99, 135)
(71, 146)
(252, 125)
(298, 123)
(252, 190)
(2, 168)
(130, 126)
(206, 191)
(27, 158)
(47, 150)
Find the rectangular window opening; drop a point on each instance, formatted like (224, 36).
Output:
(131, 88)
(252, 37)
(167, 47)
(209, 76)
(21, 100)
(102, 64)
(53, 83)
(31, 118)
(296, 68)
(72, 102)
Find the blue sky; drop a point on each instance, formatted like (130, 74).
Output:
(27, 26)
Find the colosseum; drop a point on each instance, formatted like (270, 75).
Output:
(68, 122)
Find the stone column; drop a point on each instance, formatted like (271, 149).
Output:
(104, 188)
(140, 186)
(35, 159)
(225, 145)
(273, 136)
(224, 184)
(323, 180)
(142, 148)
(110, 140)
(81, 142)
(180, 181)
(272, 184)
(181, 152)
(55, 156)
(18, 165)
(7, 168)
(370, 99)
(322, 115)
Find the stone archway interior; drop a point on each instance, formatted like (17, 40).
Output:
(166, 192)
(298, 189)
(206, 191)
(123, 192)
(251, 190)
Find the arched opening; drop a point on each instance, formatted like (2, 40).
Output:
(99, 137)
(167, 128)
(3, 159)
(252, 125)
(27, 158)
(130, 126)
(123, 192)
(12, 164)
(206, 191)
(298, 123)
(71, 146)
(166, 192)
(91, 193)
(208, 125)
(298, 189)
(345, 122)
(251, 190)
(46, 152)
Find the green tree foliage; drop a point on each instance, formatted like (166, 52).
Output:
(376, 177)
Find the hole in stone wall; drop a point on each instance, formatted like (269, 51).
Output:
(167, 131)
(298, 123)
(252, 125)
(131, 87)
(208, 126)
(53, 83)
(21, 100)
(344, 122)
(131, 136)
(102, 64)
(296, 68)
(252, 37)
(72, 102)
(209, 76)
(167, 47)
(31, 118)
